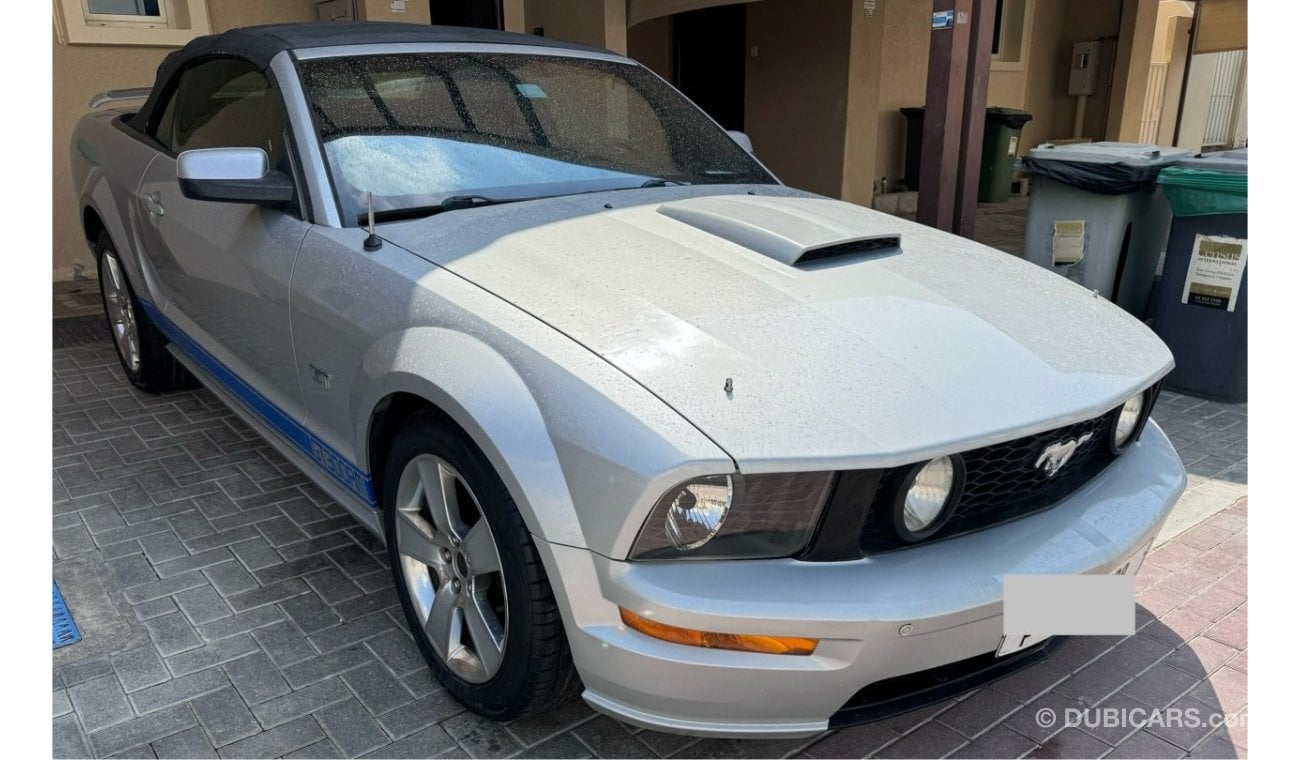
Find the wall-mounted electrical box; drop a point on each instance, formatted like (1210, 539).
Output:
(1084, 65)
(336, 10)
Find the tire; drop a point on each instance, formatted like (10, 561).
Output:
(533, 669)
(141, 347)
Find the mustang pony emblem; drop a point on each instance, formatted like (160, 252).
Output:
(1055, 455)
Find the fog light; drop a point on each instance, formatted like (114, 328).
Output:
(1126, 422)
(740, 642)
(929, 495)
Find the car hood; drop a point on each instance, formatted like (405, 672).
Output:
(796, 330)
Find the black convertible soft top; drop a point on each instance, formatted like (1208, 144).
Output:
(260, 44)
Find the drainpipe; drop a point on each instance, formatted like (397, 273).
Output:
(1187, 71)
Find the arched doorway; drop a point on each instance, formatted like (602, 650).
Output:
(702, 52)
(709, 61)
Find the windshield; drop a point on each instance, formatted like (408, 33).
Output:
(417, 129)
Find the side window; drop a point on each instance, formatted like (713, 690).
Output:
(166, 125)
(225, 103)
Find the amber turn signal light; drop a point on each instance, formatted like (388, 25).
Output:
(741, 642)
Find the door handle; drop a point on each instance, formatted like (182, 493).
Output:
(153, 203)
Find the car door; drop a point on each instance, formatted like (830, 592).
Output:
(224, 268)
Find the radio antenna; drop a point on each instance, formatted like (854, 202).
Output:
(373, 242)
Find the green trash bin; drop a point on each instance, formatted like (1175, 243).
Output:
(1001, 140)
(997, 157)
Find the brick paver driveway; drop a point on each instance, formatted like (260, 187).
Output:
(230, 608)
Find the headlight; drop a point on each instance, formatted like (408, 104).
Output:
(928, 497)
(734, 517)
(697, 510)
(1127, 421)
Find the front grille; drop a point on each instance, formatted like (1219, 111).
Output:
(1003, 482)
(1002, 479)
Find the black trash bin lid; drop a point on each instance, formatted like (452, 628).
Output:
(1107, 168)
(1130, 154)
(1011, 117)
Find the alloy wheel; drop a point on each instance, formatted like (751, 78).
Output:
(121, 312)
(452, 568)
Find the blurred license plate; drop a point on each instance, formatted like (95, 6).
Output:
(1011, 644)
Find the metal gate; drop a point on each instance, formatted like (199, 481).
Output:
(1223, 94)
(1154, 103)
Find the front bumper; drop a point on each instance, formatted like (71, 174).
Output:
(949, 593)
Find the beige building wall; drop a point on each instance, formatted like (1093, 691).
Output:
(602, 23)
(81, 71)
(1043, 75)
(888, 62)
(1167, 16)
(888, 68)
(651, 44)
(644, 10)
(1057, 27)
(796, 89)
(1039, 82)
(1137, 35)
(1222, 26)
(791, 92)
(902, 67)
(1009, 78)
(414, 12)
(862, 112)
(512, 15)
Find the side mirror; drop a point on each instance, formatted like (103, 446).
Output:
(741, 139)
(232, 175)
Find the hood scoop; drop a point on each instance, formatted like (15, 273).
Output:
(813, 231)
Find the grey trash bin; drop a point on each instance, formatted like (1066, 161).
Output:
(1096, 217)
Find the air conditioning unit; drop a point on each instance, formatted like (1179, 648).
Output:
(337, 10)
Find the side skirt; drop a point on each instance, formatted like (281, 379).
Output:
(364, 514)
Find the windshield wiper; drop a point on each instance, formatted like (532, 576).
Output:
(661, 182)
(450, 203)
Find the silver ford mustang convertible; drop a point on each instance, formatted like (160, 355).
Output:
(631, 416)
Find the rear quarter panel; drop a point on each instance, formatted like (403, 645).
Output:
(107, 164)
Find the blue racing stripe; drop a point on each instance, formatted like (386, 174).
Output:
(347, 474)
